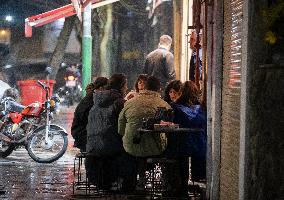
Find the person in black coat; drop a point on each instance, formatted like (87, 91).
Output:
(160, 62)
(104, 144)
(80, 120)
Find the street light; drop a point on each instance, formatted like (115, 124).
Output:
(9, 18)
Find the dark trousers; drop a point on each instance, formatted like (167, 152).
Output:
(177, 175)
(128, 172)
(101, 171)
(131, 167)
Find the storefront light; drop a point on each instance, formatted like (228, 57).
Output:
(3, 32)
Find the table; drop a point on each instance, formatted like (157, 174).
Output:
(168, 162)
(170, 130)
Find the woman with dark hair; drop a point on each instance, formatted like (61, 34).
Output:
(173, 91)
(103, 140)
(80, 120)
(188, 113)
(139, 85)
(190, 94)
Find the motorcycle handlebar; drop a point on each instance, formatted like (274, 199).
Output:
(45, 87)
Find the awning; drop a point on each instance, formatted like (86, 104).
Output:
(76, 7)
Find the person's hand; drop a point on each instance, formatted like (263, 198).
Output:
(130, 95)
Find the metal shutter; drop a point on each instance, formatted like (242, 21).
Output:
(231, 92)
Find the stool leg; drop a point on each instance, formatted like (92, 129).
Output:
(74, 175)
(79, 169)
(194, 194)
(87, 185)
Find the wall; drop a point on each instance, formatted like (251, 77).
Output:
(231, 96)
(51, 33)
(40, 46)
(263, 173)
(214, 97)
(26, 50)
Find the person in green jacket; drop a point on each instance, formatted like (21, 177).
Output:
(144, 105)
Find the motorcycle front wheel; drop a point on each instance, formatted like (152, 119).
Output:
(6, 149)
(48, 150)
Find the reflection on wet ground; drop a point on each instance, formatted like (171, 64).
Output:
(23, 178)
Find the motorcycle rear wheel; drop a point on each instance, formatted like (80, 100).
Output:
(6, 149)
(47, 152)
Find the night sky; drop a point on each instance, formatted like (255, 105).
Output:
(21, 9)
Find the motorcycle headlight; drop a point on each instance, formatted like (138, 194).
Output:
(70, 78)
(52, 103)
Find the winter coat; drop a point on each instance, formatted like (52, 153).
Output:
(80, 121)
(160, 63)
(103, 139)
(192, 145)
(142, 106)
(188, 144)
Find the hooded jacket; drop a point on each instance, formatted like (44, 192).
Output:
(188, 144)
(131, 117)
(102, 136)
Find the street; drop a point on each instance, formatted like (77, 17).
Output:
(23, 178)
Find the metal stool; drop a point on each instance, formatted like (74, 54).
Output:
(155, 177)
(81, 181)
(78, 182)
(197, 189)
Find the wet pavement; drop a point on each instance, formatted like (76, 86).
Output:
(23, 178)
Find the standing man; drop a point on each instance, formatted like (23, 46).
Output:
(160, 62)
(193, 59)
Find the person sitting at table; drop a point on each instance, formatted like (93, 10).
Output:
(139, 85)
(103, 141)
(80, 120)
(173, 91)
(131, 118)
(188, 113)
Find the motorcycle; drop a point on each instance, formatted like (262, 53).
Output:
(72, 91)
(30, 126)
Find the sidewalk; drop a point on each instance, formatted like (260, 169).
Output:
(23, 178)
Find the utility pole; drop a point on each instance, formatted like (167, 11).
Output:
(87, 47)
